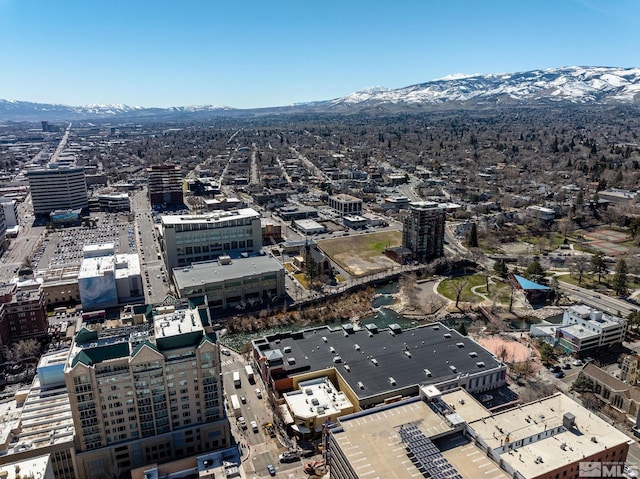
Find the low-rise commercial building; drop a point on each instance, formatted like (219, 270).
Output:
(449, 435)
(230, 283)
(346, 204)
(583, 331)
(23, 311)
(371, 366)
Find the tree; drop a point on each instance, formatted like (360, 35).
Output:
(459, 286)
(500, 268)
(598, 265)
(620, 278)
(546, 352)
(473, 237)
(535, 271)
(582, 384)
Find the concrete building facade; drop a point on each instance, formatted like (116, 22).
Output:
(423, 231)
(230, 283)
(188, 239)
(346, 204)
(165, 185)
(146, 394)
(57, 188)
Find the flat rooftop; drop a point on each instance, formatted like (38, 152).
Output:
(543, 422)
(212, 217)
(384, 454)
(211, 271)
(423, 355)
(317, 397)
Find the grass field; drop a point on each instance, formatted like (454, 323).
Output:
(447, 288)
(362, 254)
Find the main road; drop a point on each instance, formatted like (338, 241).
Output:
(614, 306)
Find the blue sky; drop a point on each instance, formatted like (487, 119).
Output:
(245, 53)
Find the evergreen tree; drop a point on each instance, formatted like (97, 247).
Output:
(598, 265)
(620, 279)
(500, 268)
(473, 237)
(535, 271)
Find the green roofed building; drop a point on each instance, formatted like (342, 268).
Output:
(146, 394)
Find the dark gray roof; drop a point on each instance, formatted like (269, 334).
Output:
(434, 347)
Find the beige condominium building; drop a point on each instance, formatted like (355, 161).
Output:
(145, 393)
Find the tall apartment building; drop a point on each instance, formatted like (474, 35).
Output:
(192, 238)
(145, 394)
(423, 230)
(165, 185)
(57, 188)
(23, 311)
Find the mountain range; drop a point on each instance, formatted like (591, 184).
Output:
(559, 86)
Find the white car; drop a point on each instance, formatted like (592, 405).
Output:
(242, 423)
(258, 393)
(577, 362)
(254, 426)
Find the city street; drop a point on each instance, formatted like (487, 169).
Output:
(263, 450)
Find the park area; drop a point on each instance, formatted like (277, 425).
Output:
(362, 254)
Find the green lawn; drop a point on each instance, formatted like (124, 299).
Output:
(448, 287)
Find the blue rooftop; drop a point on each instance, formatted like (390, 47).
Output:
(526, 284)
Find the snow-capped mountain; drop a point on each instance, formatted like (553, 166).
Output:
(577, 85)
(24, 110)
(568, 85)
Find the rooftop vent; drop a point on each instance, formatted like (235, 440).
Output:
(473, 354)
(453, 368)
(291, 360)
(324, 338)
(392, 381)
(460, 345)
(337, 359)
(332, 349)
(346, 366)
(407, 354)
(308, 391)
(360, 385)
(374, 361)
(287, 349)
(427, 372)
(447, 335)
(357, 346)
(480, 364)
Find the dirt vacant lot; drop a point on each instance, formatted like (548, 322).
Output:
(362, 254)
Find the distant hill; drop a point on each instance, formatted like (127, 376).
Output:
(568, 85)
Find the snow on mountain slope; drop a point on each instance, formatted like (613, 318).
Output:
(580, 85)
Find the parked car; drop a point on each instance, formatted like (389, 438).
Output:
(577, 362)
(566, 366)
(226, 352)
(258, 393)
(242, 423)
(559, 374)
(288, 456)
(254, 426)
(555, 369)
(243, 399)
(271, 469)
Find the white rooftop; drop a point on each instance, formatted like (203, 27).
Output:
(211, 217)
(316, 398)
(173, 323)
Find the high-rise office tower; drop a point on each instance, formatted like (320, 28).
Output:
(57, 188)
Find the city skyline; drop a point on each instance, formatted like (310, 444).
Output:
(257, 54)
